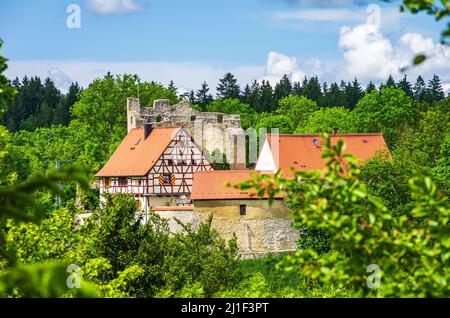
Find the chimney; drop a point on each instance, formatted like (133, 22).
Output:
(147, 130)
(335, 130)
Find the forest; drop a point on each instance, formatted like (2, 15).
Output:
(393, 212)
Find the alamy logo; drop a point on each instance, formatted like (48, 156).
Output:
(74, 279)
(374, 279)
(73, 21)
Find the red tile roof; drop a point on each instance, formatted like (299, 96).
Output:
(136, 156)
(302, 152)
(212, 185)
(298, 151)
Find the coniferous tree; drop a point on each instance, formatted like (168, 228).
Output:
(62, 112)
(434, 90)
(246, 94)
(283, 88)
(370, 87)
(334, 97)
(353, 93)
(419, 89)
(228, 87)
(191, 97)
(390, 81)
(297, 88)
(172, 86)
(405, 86)
(203, 98)
(253, 96)
(265, 100)
(312, 89)
(323, 99)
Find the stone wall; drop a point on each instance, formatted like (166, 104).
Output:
(186, 217)
(264, 228)
(210, 130)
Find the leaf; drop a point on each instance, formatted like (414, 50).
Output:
(418, 59)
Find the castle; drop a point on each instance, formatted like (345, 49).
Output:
(215, 133)
(165, 162)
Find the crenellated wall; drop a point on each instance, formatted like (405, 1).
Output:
(210, 130)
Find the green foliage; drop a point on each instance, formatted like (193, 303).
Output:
(201, 256)
(421, 143)
(315, 239)
(388, 180)
(52, 238)
(413, 250)
(297, 108)
(281, 122)
(325, 120)
(442, 169)
(7, 92)
(16, 199)
(42, 280)
(388, 111)
(262, 278)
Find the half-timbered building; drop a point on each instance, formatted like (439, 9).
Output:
(156, 165)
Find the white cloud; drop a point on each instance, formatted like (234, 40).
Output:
(184, 75)
(114, 6)
(369, 55)
(279, 64)
(61, 80)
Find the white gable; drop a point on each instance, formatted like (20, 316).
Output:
(266, 161)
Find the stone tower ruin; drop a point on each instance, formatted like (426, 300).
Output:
(216, 133)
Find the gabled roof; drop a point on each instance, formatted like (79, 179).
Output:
(136, 156)
(212, 185)
(303, 152)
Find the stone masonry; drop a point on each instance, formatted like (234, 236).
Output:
(217, 133)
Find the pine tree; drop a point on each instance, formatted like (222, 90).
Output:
(334, 97)
(283, 88)
(63, 109)
(253, 98)
(419, 89)
(172, 87)
(312, 89)
(228, 87)
(370, 87)
(202, 96)
(405, 86)
(323, 99)
(353, 93)
(191, 97)
(434, 90)
(265, 100)
(246, 94)
(297, 88)
(390, 81)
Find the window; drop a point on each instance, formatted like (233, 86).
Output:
(138, 182)
(106, 182)
(170, 162)
(166, 178)
(123, 181)
(242, 209)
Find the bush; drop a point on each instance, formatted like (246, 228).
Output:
(366, 241)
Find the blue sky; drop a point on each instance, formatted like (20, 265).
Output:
(192, 41)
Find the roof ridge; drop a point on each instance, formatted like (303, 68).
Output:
(331, 135)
